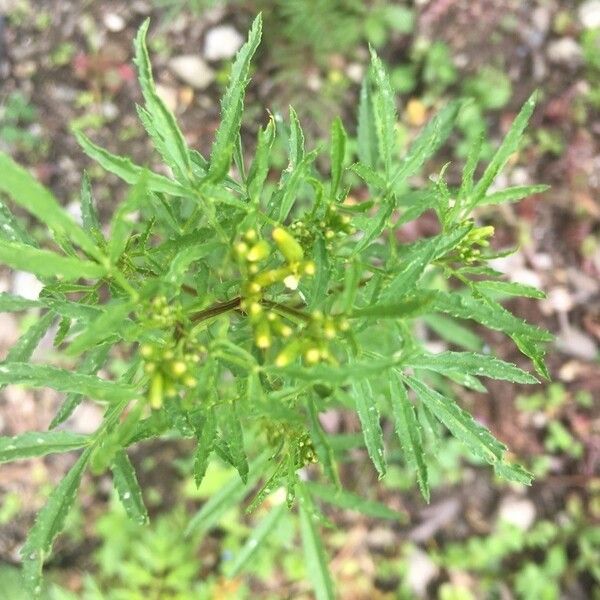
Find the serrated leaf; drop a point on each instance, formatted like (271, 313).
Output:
(322, 445)
(256, 538)
(129, 172)
(368, 148)
(459, 422)
(232, 106)
(350, 501)
(368, 413)
(453, 332)
(259, 169)
(385, 112)
(44, 263)
(163, 128)
(508, 146)
(12, 303)
(64, 381)
(23, 349)
(480, 365)
(402, 309)
(409, 433)
(296, 142)
(231, 429)
(11, 229)
(514, 473)
(93, 360)
(89, 215)
(39, 443)
(513, 194)
(371, 177)
(427, 143)
(317, 569)
(128, 488)
(26, 191)
(183, 259)
(337, 155)
(511, 288)
(49, 523)
(206, 436)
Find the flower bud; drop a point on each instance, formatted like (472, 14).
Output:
(258, 252)
(287, 244)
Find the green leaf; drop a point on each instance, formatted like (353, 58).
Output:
(427, 143)
(349, 501)
(256, 538)
(128, 488)
(402, 309)
(64, 381)
(93, 360)
(317, 569)
(231, 428)
(508, 146)
(513, 194)
(89, 215)
(287, 193)
(34, 443)
(409, 433)
(11, 229)
(371, 177)
(206, 436)
(459, 422)
(514, 473)
(28, 193)
(466, 186)
(368, 413)
(44, 263)
(368, 149)
(259, 169)
(510, 288)
(339, 139)
(122, 167)
(322, 446)
(49, 523)
(163, 128)
(28, 342)
(481, 365)
(187, 256)
(296, 143)
(232, 106)
(12, 303)
(453, 332)
(385, 112)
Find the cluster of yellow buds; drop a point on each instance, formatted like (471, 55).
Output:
(294, 438)
(170, 370)
(332, 225)
(470, 247)
(313, 346)
(251, 251)
(161, 314)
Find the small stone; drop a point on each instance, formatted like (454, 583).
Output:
(192, 70)
(355, 72)
(575, 343)
(565, 51)
(114, 22)
(589, 14)
(168, 95)
(420, 572)
(222, 42)
(517, 511)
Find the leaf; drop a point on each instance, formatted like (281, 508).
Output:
(513, 194)
(514, 473)
(459, 422)
(206, 436)
(11, 229)
(257, 537)
(129, 172)
(352, 275)
(64, 381)
(28, 193)
(232, 106)
(28, 342)
(427, 143)
(466, 186)
(296, 142)
(339, 139)
(373, 226)
(453, 332)
(89, 215)
(368, 413)
(402, 309)
(368, 150)
(187, 256)
(128, 488)
(49, 523)
(12, 303)
(371, 177)
(93, 360)
(322, 446)
(44, 263)
(33, 443)
(165, 132)
(385, 112)
(511, 288)
(107, 324)
(314, 554)
(231, 428)
(227, 497)
(349, 501)
(259, 169)
(481, 365)
(409, 433)
(508, 146)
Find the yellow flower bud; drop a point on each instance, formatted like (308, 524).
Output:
(312, 356)
(262, 334)
(258, 252)
(309, 268)
(288, 354)
(178, 368)
(155, 392)
(287, 244)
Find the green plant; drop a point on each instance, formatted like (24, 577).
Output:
(16, 117)
(232, 309)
